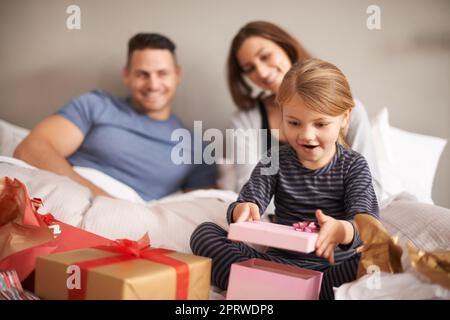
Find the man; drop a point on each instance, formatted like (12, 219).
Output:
(127, 138)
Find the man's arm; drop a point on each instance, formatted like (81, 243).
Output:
(48, 145)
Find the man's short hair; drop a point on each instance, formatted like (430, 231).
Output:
(149, 41)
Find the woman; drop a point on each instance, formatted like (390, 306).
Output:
(261, 53)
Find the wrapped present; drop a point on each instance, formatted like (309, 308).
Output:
(123, 270)
(11, 288)
(274, 235)
(9, 280)
(257, 279)
(25, 234)
(67, 237)
(14, 294)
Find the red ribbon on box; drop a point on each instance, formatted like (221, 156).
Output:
(48, 219)
(133, 250)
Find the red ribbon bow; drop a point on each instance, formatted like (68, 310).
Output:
(48, 219)
(135, 248)
(132, 250)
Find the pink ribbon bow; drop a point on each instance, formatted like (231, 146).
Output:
(305, 226)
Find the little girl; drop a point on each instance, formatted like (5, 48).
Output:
(318, 179)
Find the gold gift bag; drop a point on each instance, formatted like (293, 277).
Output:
(379, 248)
(433, 265)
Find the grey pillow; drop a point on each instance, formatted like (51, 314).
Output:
(426, 226)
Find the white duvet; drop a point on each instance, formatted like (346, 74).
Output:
(169, 221)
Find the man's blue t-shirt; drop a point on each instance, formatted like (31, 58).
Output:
(131, 147)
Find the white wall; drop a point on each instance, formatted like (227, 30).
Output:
(404, 66)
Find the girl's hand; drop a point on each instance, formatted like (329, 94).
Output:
(332, 232)
(246, 211)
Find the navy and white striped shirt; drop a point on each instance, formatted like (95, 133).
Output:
(340, 189)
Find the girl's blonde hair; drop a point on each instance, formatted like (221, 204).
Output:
(322, 86)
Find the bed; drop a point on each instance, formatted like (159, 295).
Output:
(407, 212)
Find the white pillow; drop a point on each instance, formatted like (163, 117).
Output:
(407, 161)
(62, 197)
(10, 137)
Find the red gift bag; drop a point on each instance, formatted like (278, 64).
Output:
(25, 234)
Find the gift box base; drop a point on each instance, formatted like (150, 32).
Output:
(257, 279)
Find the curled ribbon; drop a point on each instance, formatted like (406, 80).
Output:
(305, 226)
(37, 203)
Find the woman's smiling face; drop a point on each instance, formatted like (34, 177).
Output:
(263, 62)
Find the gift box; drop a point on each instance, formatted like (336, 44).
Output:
(257, 279)
(123, 270)
(67, 237)
(11, 288)
(273, 235)
(25, 234)
(22, 234)
(9, 280)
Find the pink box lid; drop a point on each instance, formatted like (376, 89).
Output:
(273, 235)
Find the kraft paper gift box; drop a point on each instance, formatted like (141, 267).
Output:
(120, 271)
(273, 235)
(257, 279)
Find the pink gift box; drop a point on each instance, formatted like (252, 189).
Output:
(257, 279)
(273, 235)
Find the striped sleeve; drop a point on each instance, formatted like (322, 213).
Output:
(259, 189)
(359, 193)
(360, 197)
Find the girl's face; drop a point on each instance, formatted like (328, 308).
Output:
(263, 62)
(313, 135)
